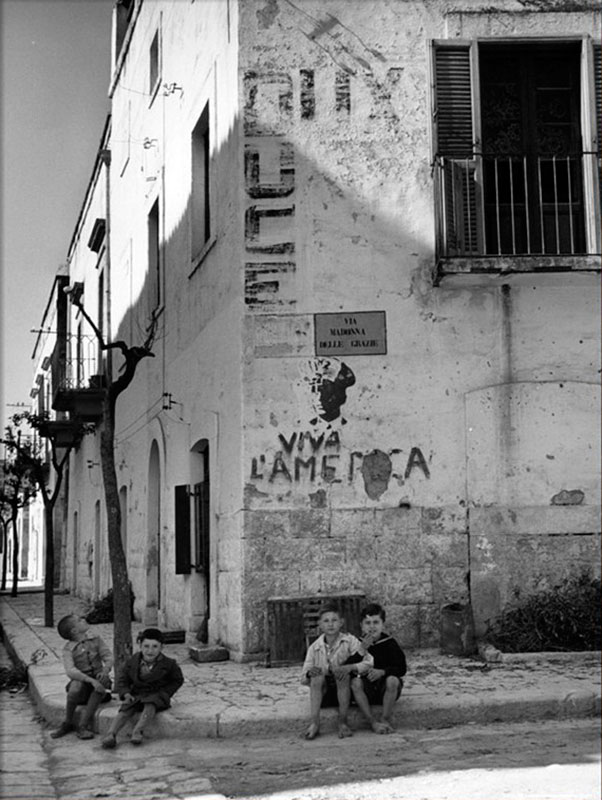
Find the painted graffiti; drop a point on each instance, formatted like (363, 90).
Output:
(269, 165)
(328, 380)
(305, 456)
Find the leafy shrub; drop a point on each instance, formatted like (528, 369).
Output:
(564, 618)
(13, 677)
(102, 609)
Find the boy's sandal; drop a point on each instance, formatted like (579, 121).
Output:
(136, 737)
(312, 731)
(109, 742)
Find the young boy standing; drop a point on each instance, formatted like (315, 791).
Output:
(87, 661)
(147, 683)
(327, 672)
(382, 683)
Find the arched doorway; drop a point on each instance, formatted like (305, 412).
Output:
(153, 542)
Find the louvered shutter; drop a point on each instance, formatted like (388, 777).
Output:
(456, 143)
(201, 522)
(598, 90)
(182, 532)
(453, 101)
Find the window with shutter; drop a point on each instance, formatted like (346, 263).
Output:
(182, 530)
(514, 162)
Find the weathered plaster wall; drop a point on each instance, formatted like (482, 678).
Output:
(356, 467)
(190, 390)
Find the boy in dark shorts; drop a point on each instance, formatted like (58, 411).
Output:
(382, 683)
(146, 683)
(327, 672)
(87, 661)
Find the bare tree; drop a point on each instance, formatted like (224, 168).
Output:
(18, 488)
(29, 452)
(132, 355)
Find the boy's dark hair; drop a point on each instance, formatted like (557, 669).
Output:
(329, 607)
(373, 610)
(150, 633)
(65, 624)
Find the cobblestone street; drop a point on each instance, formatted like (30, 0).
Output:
(560, 758)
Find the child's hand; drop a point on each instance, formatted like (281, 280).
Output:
(313, 672)
(374, 674)
(99, 686)
(367, 641)
(129, 698)
(341, 672)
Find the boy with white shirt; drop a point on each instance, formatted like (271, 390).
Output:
(326, 671)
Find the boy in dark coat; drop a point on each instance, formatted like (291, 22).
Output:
(383, 682)
(146, 683)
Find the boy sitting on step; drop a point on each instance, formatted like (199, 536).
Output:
(327, 672)
(146, 683)
(87, 661)
(382, 683)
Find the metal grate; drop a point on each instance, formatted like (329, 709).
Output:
(292, 623)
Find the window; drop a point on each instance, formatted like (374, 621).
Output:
(201, 216)
(155, 64)
(122, 12)
(154, 259)
(192, 518)
(515, 141)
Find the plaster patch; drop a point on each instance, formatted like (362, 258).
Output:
(318, 499)
(568, 497)
(266, 16)
(376, 471)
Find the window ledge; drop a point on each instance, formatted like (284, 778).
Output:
(198, 260)
(507, 265)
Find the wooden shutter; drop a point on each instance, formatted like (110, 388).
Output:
(201, 525)
(598, 91)
(591, 124)
(453, 100)
(456, 129)
(182, 535)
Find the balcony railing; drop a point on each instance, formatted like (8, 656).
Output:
(512, 205)
(77, 379)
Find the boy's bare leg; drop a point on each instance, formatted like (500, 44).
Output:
(389, 700)
(357, 687)
(344, 696)
(317, 688)
(110, 740)
(148, 714)
(95, 699)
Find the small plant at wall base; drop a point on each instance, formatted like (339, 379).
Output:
(564, 618)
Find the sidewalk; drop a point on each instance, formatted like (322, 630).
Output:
(226, 699)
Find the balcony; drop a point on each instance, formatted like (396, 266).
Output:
(77, 381)
(516, 213)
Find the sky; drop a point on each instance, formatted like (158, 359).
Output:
(54, 77)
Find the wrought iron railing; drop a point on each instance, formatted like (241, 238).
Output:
(76, 364)
(499, 205)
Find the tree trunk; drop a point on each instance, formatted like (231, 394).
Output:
(122, 631)
(13, 592)
(49, 566)
(4, 554)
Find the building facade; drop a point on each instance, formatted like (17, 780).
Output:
(369, 233)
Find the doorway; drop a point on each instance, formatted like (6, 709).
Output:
(153, 544)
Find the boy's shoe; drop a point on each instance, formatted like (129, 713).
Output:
(85, 733)
(109, 742)
(136, 737)
(63, 729)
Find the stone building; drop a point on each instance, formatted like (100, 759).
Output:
(370, 234)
